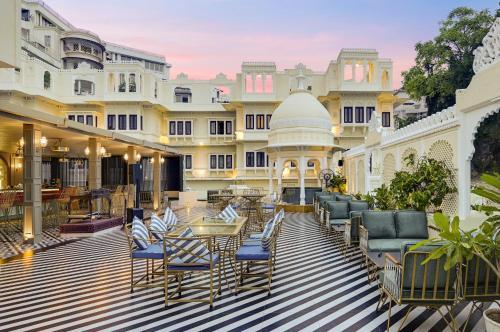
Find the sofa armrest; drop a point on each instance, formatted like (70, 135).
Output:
(327, 219)
(363, 239)
(393, 271)
(347, 233)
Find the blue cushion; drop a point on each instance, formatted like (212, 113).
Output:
(338, 222)
(268, 206)
(252, 242)
(255, 236)
(358, 206)
(380, 224)
(268, 233)
(153, 251)
(202, 263)
(411, 224)
(256, 253)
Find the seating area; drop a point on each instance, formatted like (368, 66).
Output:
(404, 276)
(210, 245)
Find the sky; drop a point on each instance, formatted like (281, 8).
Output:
(205, 37)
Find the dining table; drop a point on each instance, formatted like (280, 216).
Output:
(253, 205)
(231, 230)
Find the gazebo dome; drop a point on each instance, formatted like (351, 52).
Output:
(300, 120)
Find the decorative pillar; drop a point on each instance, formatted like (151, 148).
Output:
(156, 180)
(32, 184)
(279, 175)
(302, 175)
(132, 154)
(94, 164)
(270, 175)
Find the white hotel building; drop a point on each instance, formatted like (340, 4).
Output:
(77, 87)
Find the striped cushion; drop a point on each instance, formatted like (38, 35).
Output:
(191, 248)
(169, 218)
(157, 227)
(139, 233)
(228, 213)
(267, 234)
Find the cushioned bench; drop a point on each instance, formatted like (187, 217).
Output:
(340, 212)
(387, 231)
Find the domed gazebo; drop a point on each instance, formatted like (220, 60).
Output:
(300, 130)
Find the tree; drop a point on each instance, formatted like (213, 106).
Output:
(444, 64)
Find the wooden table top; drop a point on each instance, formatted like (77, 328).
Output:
(213, 227)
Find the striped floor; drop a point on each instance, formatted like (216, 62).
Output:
(84, 286)
(11, 242)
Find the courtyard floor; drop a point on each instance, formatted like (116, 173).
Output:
(84, 285)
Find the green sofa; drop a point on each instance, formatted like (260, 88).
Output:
(338, 213)
(386, 231)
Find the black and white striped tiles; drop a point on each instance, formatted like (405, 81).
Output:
(84, 286)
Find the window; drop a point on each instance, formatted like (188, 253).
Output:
(188, 161)
(131, 83)
(132, 122)
(229, 161)
(180, 127)
(111, 122)
(89, 120)
(76, 47)
(80, 118)
(386, 119)
(142, 123)
(187, 128)
(268, 120)
(249, 120)
(369, 112)
(122, 85)
(25, 15)
(122, 122)
(221, 161)
(347, 114)
(256, 159)
(359, 115)
(171, 130)
(261, 159)
(250, 159)
(182, 95)
(213, 127)
(46, 41)
(260, 121)
(213, 161)
(310, 164)
(83, 87)
(71, 117)
(229, 127)
(46, 80)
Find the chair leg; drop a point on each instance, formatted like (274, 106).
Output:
(389, 315)
(405, 317)
(269, 276)
(131, 276)
(165, 285)
(381, 301)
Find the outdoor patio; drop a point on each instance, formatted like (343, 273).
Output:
(313, 288)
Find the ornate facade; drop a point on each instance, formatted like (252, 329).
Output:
(220, 125)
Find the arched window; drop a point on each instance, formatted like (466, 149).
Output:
(182, 95)
(46, 80)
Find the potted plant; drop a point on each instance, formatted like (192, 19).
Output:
(484, 242)
(337, 183)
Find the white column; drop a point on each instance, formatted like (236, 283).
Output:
(32, 184)
(270, 175)
(94, 164)
(279, 174)
(302, 175)
(132, 154)
(156, 180)
(353, 69)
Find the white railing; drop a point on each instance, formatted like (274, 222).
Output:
(436, 121)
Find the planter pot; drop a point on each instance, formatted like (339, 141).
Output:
(492, 319)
